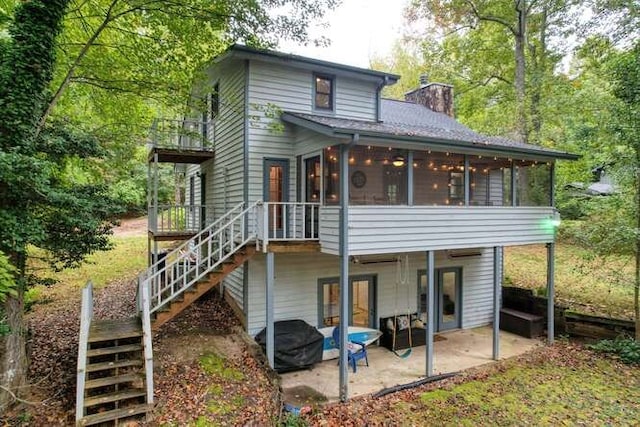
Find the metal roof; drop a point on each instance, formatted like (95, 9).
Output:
(406, 121)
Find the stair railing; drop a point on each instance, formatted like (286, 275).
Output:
(86, 316)
(184, 266)
(147, 338)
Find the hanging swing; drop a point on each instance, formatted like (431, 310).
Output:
(400, 280)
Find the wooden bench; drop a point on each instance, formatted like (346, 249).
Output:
(521, 323)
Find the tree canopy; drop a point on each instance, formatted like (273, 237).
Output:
(80, 82)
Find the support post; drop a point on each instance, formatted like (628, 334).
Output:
(467, 181)
(552, 184)
(156, 183)
(496, 303)
(269, 297)
(430, 310)
(550, 292)
(514, 193)
(410, 183)
(344, 266)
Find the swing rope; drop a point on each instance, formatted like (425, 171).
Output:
(403, 281)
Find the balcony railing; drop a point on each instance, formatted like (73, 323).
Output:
(287, 221)
(177, 218)
(180, 134)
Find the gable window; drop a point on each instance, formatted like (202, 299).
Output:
(215, 101)
(324, 92)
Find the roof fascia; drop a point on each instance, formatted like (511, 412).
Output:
(457, 146)
(314, 126)
(245, 52)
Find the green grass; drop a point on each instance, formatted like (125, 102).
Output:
(128, 256)
(582, 390)
(222, 402)
(215, 365)
(583, 283)
(538, 395)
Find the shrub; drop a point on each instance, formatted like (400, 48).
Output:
(627, 349)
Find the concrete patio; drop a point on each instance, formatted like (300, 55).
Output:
(459, 350)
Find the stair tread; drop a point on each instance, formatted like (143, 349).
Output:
(112, 350)
(92, 367)
(113, 396)
(114, 414)
(117, 379)
(105, 330)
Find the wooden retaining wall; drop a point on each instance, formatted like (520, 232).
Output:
(566, 322)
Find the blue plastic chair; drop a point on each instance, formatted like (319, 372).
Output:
(355, 350)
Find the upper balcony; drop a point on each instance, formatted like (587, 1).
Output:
(180, 141)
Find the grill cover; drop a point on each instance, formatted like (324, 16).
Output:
(298, 345)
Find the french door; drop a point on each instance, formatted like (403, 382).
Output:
(276, 190)
(448, 304)
(362, 292)
(312, 182)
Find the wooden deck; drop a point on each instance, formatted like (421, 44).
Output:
(305, 246)
(168, 236)
(180, 155)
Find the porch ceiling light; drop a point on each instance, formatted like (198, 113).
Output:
(398, 161)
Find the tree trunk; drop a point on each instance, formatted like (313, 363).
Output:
(520, 41)
(14, 355)
(538, 66)
(636, 293)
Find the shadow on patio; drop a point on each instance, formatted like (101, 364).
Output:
(454, 351)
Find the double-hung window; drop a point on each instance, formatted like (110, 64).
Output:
(324, 90)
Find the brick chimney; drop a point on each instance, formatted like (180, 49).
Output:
(437, 97)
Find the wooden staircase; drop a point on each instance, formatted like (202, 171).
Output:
(115, 383)
(115, 388)
(115, 358)
(211, 280)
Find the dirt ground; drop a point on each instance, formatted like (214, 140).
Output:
(238, 391)
(131, 227)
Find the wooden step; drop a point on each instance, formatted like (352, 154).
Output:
(93, 367)
(118, 379)
(101, 399)
(114, 350)
(106, 330)
(115, 414)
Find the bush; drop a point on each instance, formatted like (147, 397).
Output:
(572, 207)
(130, 195)
(627, 349)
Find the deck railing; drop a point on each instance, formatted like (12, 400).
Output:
(181, 134)
(177, 218)
(287, 221)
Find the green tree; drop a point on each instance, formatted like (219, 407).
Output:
(80, 80)
(626, 86)
(511, 37)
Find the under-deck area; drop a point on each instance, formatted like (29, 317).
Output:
(453, 351)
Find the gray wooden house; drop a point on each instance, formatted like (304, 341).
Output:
(309, 196)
